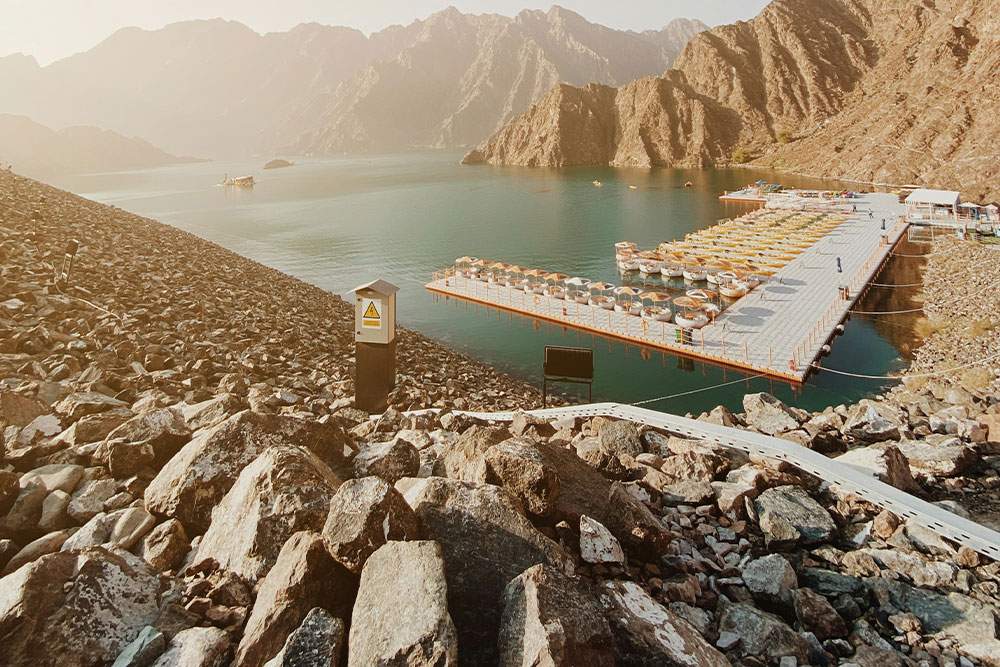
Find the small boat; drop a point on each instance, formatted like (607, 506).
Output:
(633, 187)
(537, 288)
(668, 271)
(554, 291)
(580, 297)
(691, 319)
(695, 275)
(237, 182)
(698, 294)
(628, 265)
(598, 184)
(733, 290)
(712, 278)
(656, 314)
(688, 184)
(606, 302)
(649, 267)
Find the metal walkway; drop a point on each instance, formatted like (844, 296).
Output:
(847, 478)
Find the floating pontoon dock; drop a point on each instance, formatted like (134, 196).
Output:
(778, 330)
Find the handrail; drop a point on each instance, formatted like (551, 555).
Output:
(848, 478)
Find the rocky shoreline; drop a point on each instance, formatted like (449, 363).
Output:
(184, 481)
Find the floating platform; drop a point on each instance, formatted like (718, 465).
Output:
(778, 330)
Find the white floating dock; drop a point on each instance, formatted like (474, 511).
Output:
(777, 330)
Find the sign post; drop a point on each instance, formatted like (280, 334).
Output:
(567, 364)
(375, 345)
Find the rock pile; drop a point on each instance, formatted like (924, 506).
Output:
(178, 488)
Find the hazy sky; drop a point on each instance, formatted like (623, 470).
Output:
(53, 29)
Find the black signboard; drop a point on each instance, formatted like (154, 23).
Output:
(567, 364)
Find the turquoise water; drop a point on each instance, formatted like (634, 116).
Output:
(339, 222)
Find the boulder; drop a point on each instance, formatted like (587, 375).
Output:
(365, 514)
(163, 430)
(464, 457)
(78, 608)
(550, 619)
(304, 576)
(9, 490)
(817, 615)
(131, 527)
(318, 641)
(59, 476)
(486, 542)
(763, 635)
(947, 459)
(25, 513)
(768, 414)
(401, 613)
(196, 647)
(94, 428)
(647, 633)
(95, 533)
(284, 490)
(166, 545)
(207, 414)
(788, 515)
(89, 498)
(884, 461)
(390, 461)
(620, 439)
(202, 472)
(46, 544)
(86, 403)
(518, 466)
(919, 569)
(689, 492)
(771, 577)
(870, 424)
(597, 544)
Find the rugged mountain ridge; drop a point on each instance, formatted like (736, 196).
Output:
(465, 76)
(872, 90)
(39, 151)
(217, 88)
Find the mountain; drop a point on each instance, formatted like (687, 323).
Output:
(37, 151)
(204, 87)
(871, 90)
(674, 36)
(219, 89)
(464, 76)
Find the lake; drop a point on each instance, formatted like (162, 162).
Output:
(340, 222)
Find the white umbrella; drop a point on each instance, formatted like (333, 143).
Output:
(969, 205)
(579, 282)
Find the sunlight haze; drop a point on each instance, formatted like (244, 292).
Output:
(54, 29)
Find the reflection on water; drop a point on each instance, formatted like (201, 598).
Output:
(342, 221)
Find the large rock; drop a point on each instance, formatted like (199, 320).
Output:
(365, 514)
(18, 410)
(86, 403)
(647, 633)
(207, 414)
(464, 457)
(768, 414)
(166, 545)
(947, 459)
(519, 466)
(55, 477)
(163, 431)
(597, 544)
(390, 461)
(620, 439)
(303, 577)
(486, 542)
(78, 607)
(817, 615)
(196, 647)
(202, 472)
(872, 423)
(318, 642)
(771, 577)
(788, 515)
(401, 613)
(883, 461)
(763, 635)
(550, 619)
(285, 490)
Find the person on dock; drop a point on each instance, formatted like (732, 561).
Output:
(839, 268)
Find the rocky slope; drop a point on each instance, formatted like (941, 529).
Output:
(183, 480)
(872, 90)
(39, 152)
(463, 76)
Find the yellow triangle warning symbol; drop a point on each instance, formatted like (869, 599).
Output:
(371, 313)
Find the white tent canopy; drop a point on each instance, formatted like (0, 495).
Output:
(969, 205)
(933, 197)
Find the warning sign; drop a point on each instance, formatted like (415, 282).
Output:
(371, 313)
